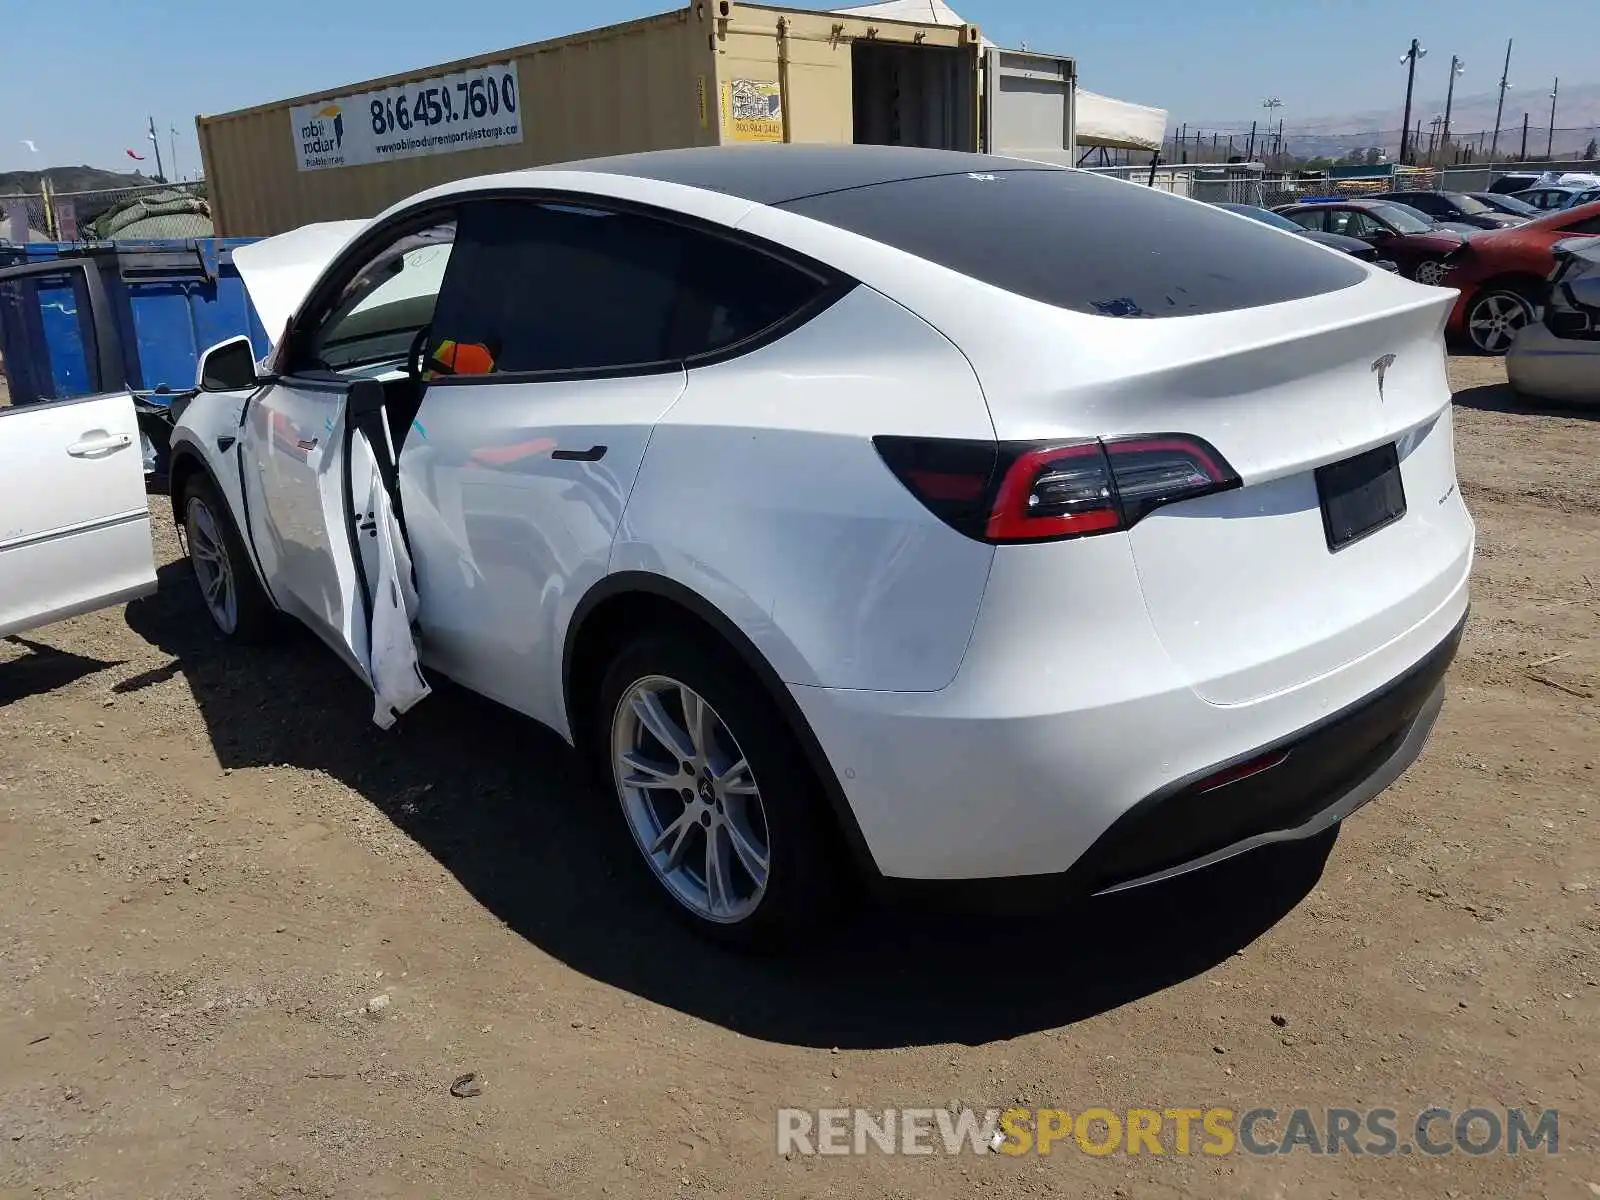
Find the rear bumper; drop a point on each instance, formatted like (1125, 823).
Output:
(1327, 772)
(1097, 790)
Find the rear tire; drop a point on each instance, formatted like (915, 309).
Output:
(226, 579)
(729, 821)
(1495, 315)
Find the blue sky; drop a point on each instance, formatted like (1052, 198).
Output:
(88, 73)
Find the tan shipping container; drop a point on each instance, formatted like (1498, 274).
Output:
(713, 73)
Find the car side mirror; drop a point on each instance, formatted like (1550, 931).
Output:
(227, 367)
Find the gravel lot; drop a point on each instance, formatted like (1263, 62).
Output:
(248, 940)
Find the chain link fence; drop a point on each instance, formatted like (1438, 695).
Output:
(160, 210)
(1426, 145)
(1253, 183)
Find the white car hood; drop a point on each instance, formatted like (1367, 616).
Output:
(278, 272)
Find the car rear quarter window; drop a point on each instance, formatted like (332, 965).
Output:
(1081, 242)
(555, 287)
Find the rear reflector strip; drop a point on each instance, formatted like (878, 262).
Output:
(1244, 770)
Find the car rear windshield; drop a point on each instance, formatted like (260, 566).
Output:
(1085, 243)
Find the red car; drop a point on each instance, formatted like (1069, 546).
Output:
(1500, 275)
(1415, 243)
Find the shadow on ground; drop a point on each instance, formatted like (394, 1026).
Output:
(500, 803)
(1498, 397)
(43, 669)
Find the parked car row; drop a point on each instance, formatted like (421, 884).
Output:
(1501, 277)
(1498, 263)
(1415, 242)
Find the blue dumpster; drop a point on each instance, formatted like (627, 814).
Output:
(171, 300)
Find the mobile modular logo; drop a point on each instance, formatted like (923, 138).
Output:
(322, 137)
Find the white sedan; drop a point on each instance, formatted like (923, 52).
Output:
(74, 520)
(859, 513)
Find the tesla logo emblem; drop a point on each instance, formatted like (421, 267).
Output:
(1381, 367)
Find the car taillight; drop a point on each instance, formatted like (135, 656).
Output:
(1048, 491)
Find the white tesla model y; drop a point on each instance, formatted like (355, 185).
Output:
(916, 516)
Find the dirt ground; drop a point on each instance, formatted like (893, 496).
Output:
(247, 940)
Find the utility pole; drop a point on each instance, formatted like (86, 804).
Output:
(1250, 148)
(1550, 145)
(160, 171)
(1456, 68)
(172, 144)
(1272, 104)
(1523, 157)
(1409, 60)
(1498, 108)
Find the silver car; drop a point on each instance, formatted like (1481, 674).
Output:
(1559, 358)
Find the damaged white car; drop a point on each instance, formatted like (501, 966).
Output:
(858, 512)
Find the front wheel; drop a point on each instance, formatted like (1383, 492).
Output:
(228, 586)
(720, 802)
(1431, 271)
(1495, 316)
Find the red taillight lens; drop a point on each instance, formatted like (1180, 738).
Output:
(1151, 471)
(1054, 492)
(1046, 491)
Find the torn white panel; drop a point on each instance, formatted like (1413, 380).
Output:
(394, 667)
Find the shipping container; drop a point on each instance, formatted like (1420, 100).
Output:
(713, 73)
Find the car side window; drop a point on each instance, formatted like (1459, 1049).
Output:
(390, 298)
(545, 287)
(1309, 218)
(1587, 225)
(1343, 221)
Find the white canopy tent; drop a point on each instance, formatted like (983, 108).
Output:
(1101, 121)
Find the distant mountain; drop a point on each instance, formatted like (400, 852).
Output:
(1577, 120)
(69, 179)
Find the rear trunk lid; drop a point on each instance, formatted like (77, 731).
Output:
(1242, 587)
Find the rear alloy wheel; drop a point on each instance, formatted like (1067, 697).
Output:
(720, 802)
(1431, 271)
(691, 799)
(1494, 318)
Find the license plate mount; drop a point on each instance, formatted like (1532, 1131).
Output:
(1360, 495)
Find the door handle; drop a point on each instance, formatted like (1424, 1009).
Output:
(592, 454)
(99, 443)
